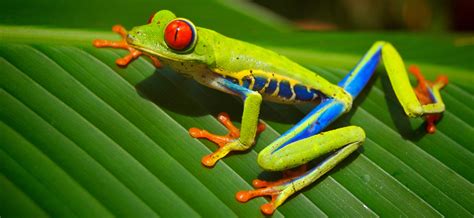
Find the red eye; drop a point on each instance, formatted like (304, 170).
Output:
(180, 35)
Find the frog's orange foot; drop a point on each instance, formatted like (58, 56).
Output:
(267, 208)
(288, 175)
(424, 95)
(122, 44)
(220, 140)
(272, 189)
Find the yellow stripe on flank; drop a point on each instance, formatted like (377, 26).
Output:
(275, 93)
(252, 82)
(241, 74)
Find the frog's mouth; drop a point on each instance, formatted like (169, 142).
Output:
(154, 53)
(132, 42)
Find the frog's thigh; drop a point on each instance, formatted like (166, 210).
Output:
(307, 149)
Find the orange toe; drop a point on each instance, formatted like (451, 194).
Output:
(217, 139)
(208, 161)
(122, 44)
(442, 79)
(221, 140)
(424, 96)
(271, 189)
(268, 208)
(288, 175)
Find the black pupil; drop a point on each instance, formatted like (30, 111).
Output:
(176, 34)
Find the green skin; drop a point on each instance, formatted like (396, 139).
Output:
(215, 55)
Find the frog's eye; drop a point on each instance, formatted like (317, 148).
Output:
(180, 35)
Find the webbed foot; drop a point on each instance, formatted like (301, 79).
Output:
(122, 44)
(278, 190)
(226, 143)
(423, 93)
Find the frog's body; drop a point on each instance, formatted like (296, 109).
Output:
(255, 73)
(241, 63)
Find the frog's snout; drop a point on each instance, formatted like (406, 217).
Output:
(133, 35)
(130, 38)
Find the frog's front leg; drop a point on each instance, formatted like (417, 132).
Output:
(236, 140)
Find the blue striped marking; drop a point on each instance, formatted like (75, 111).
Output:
(259, 83)
(271, 86)
(302, 93)
(285, 89)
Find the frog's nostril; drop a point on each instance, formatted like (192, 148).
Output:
(130, 38)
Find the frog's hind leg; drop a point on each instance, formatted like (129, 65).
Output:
(305, 142)
(345, 140)
(425, 100)
(412, 105)
(298, 146)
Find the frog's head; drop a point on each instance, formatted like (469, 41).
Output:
(171, 39)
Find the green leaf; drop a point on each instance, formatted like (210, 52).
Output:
(82, 137)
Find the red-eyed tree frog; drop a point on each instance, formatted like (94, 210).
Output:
(257, 74)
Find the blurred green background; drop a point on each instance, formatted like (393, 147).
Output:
(413, 15)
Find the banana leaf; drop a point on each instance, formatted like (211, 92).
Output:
(83, 137)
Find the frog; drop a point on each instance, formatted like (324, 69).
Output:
(256, 74)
